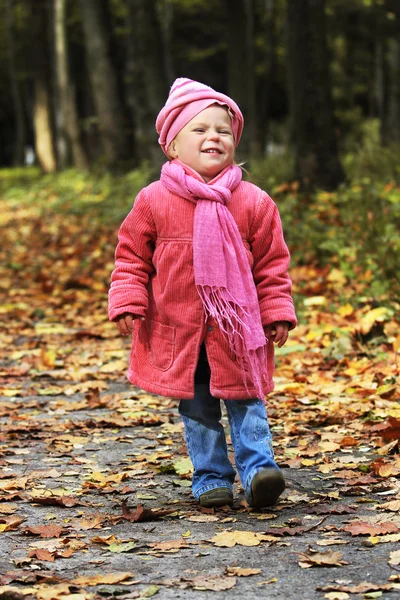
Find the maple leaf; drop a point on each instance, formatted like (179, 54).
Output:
(365, 528)
(42, 554)
(45, 531)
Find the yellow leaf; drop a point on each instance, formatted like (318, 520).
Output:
(228, 539)
(337, 277)
(346, 310)
(328, 446)
(268, 581)
(241, 572)
(370, 318)
(109, 578)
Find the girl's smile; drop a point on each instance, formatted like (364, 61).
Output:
(206, 143)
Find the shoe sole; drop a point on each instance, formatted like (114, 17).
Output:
(216, 499)
(266, 487)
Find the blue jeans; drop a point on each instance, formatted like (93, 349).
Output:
(206, 442)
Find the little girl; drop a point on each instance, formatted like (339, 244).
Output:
(201, 280)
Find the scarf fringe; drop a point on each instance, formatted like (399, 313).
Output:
(221, 306)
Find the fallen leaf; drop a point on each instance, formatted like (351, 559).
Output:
(143, 514)
(394, 558)
(63, 501)
(41, 555)
(228, 539)
(172, 544)
(183, 466)
(389, 430)
(10, 523)
(320, 559)
(365, 528)
(121, 547)
(362, 588)
(392, 505)
(331, 542)
(109, 578)
(203, 518)
(241, 571)
(45, 531)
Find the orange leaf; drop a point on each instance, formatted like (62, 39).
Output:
(365, 528)
(45, 531)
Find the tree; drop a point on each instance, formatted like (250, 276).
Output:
(69, 124)
(104, 84)
(20, 133)
(241, 68)
(313, 129)
(146, 64)
(42, 91)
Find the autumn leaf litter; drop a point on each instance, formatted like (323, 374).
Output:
(94, 479)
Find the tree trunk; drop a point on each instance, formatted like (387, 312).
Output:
(266, 93)
(238, 63)
(20, 134)
(148, 83)
(394, 91)
(316, 153)
(254, 147)
(69, 124)
(166, 19)
(104, 83)
(381, 74)
(42, 114)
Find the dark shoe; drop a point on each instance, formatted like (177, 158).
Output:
(217, 497)
(266, 487)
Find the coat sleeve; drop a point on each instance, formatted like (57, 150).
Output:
(271, 264)
(133, 261)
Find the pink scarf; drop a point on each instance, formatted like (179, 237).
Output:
(222, 273)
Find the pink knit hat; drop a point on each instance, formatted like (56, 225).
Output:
(187, 98)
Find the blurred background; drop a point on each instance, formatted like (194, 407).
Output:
(81, 83)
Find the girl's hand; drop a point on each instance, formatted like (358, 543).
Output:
(277, 332)
(125, 322)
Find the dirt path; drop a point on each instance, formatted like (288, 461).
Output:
(78, 465)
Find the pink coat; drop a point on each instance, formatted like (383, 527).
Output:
(154, 278)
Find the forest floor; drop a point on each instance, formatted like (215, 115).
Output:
(95, 496)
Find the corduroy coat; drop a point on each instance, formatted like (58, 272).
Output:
(154, 278)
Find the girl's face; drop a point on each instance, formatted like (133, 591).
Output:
(206, 143)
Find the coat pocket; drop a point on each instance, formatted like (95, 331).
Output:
(161, 345)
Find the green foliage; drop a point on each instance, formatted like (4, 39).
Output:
(355, 229)
(270, 172)
(367, 158)
(107, 196)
